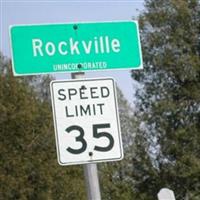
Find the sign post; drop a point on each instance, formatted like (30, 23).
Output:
(86, 118)
(92, 181)
(90, 170)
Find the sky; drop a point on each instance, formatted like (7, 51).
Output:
(64, 11)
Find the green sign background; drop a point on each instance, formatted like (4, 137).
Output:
(24, 63)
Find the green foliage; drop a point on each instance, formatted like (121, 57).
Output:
(168, 150)
(28, 166)
(115, 177)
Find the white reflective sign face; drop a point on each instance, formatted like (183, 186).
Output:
(86, 121)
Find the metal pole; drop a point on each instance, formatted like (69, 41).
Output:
(90, 170)
(92, 182)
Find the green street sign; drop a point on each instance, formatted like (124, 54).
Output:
(75, 47)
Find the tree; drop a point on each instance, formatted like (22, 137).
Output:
(28, 166)
(115, 177)
(168, 150)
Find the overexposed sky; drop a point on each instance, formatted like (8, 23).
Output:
(61, 11)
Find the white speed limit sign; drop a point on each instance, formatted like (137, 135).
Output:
(86, 121)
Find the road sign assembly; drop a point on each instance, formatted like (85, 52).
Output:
(85, 111)
(52, 48)
(86, 121)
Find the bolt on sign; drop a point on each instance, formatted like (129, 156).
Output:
(52, 48)
(86, 121)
